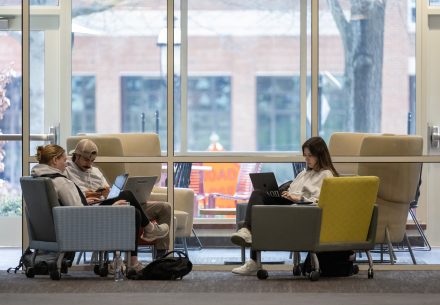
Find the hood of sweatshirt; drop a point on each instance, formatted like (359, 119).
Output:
(44, 169)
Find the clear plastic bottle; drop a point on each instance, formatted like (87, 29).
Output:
(119, 267)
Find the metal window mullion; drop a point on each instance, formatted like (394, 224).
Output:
(25, 48)
(421, 62)
(303, 70)
(65, 71)
(25, 127)
(170, 109)
(315, 66)
(184, 76)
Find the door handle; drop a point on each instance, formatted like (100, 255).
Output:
(50, 137)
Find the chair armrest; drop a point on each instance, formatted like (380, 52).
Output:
(285, 228)
(158, 197)
(183, 198)
(368, 244)
(183, 207)
(160, 190)
(97, 228)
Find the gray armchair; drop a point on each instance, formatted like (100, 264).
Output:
(345, 219)
(62, 229)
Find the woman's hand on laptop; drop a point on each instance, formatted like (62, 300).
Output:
(293, 197)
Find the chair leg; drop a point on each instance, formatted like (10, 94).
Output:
(315, 261)
(296, 258)
(426, 245)
(60, 260)
(370, 259)
(198, 240)
(381, 253)
(185, 245)
(410, 249)
(243, 255)
(80, 254)
(390, 246)
(259, 265)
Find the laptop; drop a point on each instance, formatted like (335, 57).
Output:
(266, 182)
(115, 190)
(141, 187)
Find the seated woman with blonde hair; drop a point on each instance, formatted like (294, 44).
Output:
(52, 163)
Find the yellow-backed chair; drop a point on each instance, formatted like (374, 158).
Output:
(344, 219)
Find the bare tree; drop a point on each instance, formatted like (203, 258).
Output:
(362, 38)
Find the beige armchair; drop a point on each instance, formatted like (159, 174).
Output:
(398, 184)
(346, 144)
(108, 147)
(148, 145)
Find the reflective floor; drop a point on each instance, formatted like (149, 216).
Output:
(219, 256)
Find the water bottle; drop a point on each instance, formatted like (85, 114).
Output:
(119, 266)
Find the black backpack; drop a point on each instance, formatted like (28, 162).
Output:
(167, 267)
(333, 263)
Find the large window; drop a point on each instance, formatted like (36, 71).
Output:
(368, 47)
(244, 39)
(209, 112)
(10, 152)
(278, 113)
(83, 104)
(118, 44)
(143, 105)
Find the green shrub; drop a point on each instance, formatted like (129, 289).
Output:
(10, 206)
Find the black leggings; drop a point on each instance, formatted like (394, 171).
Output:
(141, 219)
(261, 198)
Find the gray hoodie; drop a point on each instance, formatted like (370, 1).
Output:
(65, 189)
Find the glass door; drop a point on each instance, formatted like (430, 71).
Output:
(42, 114)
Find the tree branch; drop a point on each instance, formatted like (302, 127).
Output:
(94, 7)
(338, 16)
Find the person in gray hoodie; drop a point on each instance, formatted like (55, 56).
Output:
(52, 163)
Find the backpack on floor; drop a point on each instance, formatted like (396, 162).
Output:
(44, 262)
(334, 263)
(167, 267)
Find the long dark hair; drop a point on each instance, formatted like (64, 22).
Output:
(319, 149)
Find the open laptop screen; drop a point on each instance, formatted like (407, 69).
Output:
(117, 186)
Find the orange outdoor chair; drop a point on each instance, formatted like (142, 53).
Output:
(244, 185)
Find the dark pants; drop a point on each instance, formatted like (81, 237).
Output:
(141, 219)
(261, 198)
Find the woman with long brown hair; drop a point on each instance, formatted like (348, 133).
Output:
(305, 187)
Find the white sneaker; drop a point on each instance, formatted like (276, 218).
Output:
(159, 231)
(242, 237)
(249, 268)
